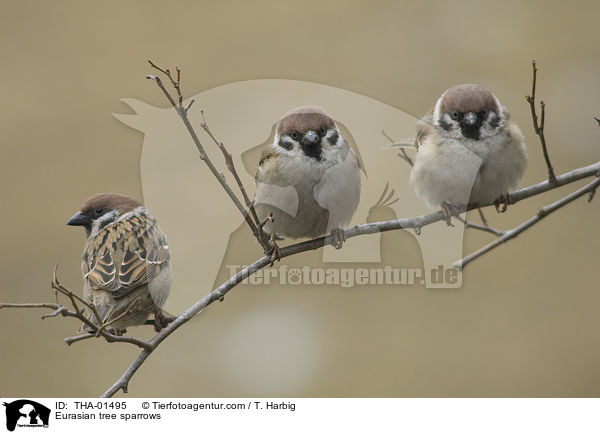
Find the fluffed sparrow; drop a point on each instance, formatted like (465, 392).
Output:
(468, 151)
(308, 178)
(126, 262)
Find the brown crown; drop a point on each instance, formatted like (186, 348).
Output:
(110, 201)
(468, 98)
(303, 119)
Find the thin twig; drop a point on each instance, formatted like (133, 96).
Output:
(543, 212)
(417, 222)
(539, 127)
(230, 166)
(30, 305)
(182, 112)
(58, 309)
(484, 228)
(176, 83)
(402, 153)
(78, 338)
(162, 87)
(482, 217)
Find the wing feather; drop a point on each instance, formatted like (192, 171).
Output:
(132, 252)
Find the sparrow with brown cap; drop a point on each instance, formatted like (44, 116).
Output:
(308, 179)
(469, 151)
(126, 262)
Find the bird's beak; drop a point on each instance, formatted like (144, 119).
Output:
(79, 220)
(310, 138)
(469, 119)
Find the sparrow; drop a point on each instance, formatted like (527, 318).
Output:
(126, 262)
(308, 179)
(467, 126)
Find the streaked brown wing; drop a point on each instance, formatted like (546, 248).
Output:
(126, 255)
(100, 272)
(142, 264)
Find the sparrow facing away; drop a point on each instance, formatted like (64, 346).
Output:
(126, 262)
(468, 126)
(309, 178)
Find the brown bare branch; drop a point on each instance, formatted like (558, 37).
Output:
(182, 112)
(543, 212)
(368, 228)
(484, 228)
(539, 127)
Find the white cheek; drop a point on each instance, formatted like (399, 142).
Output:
(280, 150)
(100, 223)
(453, 132)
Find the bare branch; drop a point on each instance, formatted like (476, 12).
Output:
(176, 83)
(543, 212)
(539, 127)
(30, 305)
(231, 166)
(386, 199)
(415, 223)
(74, 339)
(182, 112)
(482, 217)
(484, 228)
(162, 87)
(59, 309)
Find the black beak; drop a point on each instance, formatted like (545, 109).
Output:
(469, 120)
(310, 139)
(79, 220)
(469, 125)
(310, 145)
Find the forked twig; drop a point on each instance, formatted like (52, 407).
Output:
(415, 223)
(539, 127)
(402, 153)
(182, 112)
(543, 212)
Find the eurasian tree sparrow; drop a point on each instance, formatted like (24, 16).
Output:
(468, 150)
(309, 178)
(126, 262)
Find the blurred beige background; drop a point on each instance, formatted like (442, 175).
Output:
(524, 323)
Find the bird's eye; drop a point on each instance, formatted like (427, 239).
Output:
(99, 210)
(322, 131)
(295, 135)
(483, 113)
(455, 115)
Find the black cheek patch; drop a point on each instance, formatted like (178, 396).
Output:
(285, 144)
(106, 222)
(444, 124)
(494, 120)
(333, 138)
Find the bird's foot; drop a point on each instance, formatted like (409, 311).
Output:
(449, 210)
(338, 237)
(110, 330)
(161, 321)
(502, 203)
(275, 251)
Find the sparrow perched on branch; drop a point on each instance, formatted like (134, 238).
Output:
(308, 178)
(468, 151)
(126, 262)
